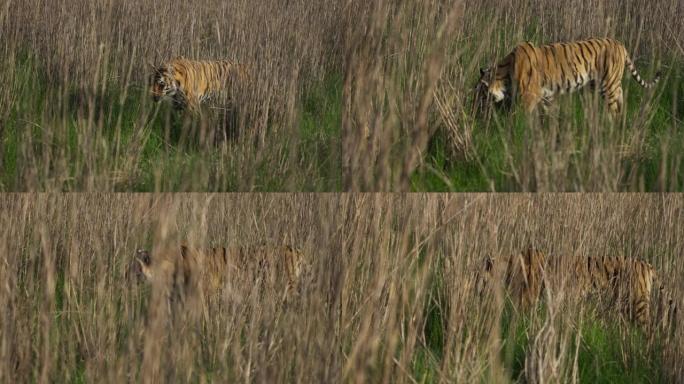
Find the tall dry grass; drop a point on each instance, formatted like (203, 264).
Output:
(74, 76)
(390, 296)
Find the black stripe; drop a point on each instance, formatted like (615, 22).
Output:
(577, 54)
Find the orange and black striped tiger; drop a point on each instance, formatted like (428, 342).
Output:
(627, 283)
(536, 74)
(188, 83)
(186, 270)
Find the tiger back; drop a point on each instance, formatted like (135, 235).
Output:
(536, 74)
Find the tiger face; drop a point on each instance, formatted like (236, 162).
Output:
(496, 88)
(143, 263)
(163, 84)
(489, 91)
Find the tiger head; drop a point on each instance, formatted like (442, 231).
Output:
(140, 267)
(163, 83)
(488, 89)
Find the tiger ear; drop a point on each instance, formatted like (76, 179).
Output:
(142, 256)
(145, 269)
(484, 71)
(155, 68)
(184, 250)
(489, 263)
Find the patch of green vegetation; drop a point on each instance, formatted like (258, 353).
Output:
(33, 91)
(425, 367)
(320, 126)
(607, 353)
(607, 356)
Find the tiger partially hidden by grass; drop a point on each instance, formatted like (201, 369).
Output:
(185, 271)
(521, 273)
(189, 83)
(626, 283)
(536, 74)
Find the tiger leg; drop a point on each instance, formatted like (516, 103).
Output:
(193, 104)
(641, 281)
(549, 108)
(530, 101)
(615, 101)
(611, 89)
(642, 312)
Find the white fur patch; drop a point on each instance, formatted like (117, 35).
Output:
(498, 95)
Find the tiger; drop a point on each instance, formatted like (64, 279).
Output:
(189, 83)
(187, 270)
(523, 275)
(536, 74)
(628, 283)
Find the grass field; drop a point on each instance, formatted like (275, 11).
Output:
(76, 114)
(411, 80)
(343, 96)
(389, 294)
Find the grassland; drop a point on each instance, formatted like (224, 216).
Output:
(390, 294)
(77, 116)
(344, 96)
(411, 80)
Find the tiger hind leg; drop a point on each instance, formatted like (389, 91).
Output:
(614, 99)
(642, 313)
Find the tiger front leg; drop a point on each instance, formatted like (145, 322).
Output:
(530, 101)
(193, 104)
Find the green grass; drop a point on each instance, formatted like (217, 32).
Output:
(606, 354)
(320, 125)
